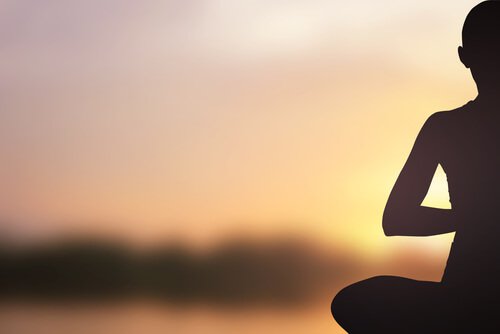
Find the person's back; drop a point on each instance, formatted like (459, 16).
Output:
(465, 142)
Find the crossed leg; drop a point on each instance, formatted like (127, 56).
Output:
(390, 304)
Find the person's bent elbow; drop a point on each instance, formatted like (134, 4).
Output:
(388, 227)
(391, 222)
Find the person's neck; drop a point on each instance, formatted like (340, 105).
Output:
(488, 100)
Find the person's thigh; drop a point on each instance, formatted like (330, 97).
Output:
(387, 304)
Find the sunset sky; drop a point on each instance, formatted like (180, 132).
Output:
(199, 120)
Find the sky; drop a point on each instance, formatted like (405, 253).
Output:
(201, 120)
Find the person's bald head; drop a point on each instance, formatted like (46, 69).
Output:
(482, 25)
(481, 44)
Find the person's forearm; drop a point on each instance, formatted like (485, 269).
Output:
(418, 221)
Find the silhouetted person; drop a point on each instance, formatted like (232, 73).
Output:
(466, 142)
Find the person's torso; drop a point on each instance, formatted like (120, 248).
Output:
(469, 154)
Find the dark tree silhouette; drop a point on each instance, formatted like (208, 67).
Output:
(239, 273)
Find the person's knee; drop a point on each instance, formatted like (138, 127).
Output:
(341, 306)
(354, 301)
(337, 302)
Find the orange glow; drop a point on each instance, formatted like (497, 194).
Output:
(205, 121)
(295, 119)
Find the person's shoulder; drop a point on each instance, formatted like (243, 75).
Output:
(447, 118)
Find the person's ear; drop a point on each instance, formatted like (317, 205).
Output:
(464, 57)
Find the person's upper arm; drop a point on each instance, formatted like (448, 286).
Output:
(415, 178)
(424, 158)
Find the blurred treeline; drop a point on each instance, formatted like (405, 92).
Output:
(240, 272)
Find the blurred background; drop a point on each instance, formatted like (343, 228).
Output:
(212, 166)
